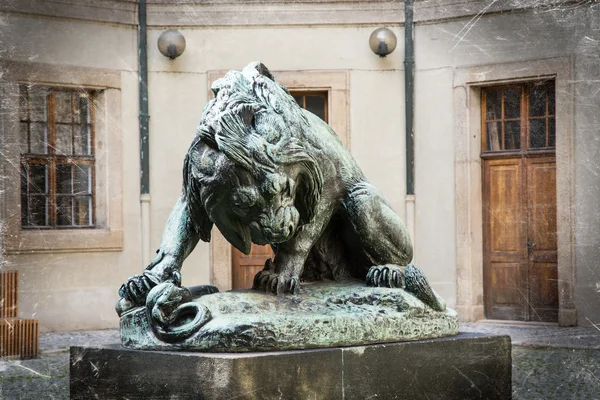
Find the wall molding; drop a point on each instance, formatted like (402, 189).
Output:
(213, 13)
(111, 11)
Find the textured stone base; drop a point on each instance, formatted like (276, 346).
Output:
(466, 366)
(324, 314)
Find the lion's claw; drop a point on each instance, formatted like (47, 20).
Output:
(137, 287)
(385, 276)
(274, 283)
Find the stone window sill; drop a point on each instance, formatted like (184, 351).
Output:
(67, 240)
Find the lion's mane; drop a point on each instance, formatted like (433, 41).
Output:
(257, 124)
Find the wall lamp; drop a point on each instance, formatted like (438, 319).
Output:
(382, 41)
(171, 44)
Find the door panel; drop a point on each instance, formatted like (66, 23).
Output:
(541, 233)
(503, 229)
(505, 207)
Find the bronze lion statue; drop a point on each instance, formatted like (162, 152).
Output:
(266, 171)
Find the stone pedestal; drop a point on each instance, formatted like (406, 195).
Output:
(466, 366)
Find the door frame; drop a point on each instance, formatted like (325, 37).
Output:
(468, 177)
(336, 83)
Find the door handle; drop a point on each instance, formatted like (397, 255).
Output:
(530, 245)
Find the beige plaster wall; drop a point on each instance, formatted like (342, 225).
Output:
(71, 291)
(175, 106)
(279, 48)
(435, 251)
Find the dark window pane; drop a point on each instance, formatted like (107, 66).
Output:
(38, 215)
(82, 183)
(64, 211)
(38, 178)
(551, 101)
(494, 135)
(316, 105)
(64, 144)
(512, 135)
(38, 98)
(38, 138)
(537, 133)
(62, 101)
(23, 103)
(64, 181)
(82, 112)
(23, 138)
(551, 132)
(537, 101)
(493, 104)
(512, 103)
(82, 140)
(24, 203)
(299, 100)
(81, 210)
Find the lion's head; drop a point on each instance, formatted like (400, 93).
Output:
(248, 171)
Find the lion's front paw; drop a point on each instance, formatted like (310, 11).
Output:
(137, 287)
(388, 275)
(272, 282)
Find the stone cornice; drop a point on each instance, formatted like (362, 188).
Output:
(213, 13)
(271, 13)
(111, 11)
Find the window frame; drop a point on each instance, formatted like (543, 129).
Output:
(524, 119)
(52, 160)
(107, 233)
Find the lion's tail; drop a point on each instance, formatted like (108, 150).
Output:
(418, 285)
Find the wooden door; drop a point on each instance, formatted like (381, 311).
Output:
(519, 203)
(245, 267)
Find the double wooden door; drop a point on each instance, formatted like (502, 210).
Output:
(245, 267)
(519, 204)
(520, 258)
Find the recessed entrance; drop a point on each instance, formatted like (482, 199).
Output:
(519, 202)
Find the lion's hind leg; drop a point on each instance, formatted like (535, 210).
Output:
(382, 233)
(386, 243)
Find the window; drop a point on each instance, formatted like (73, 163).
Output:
(519, 117)
(57, 157)
(315, 102)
